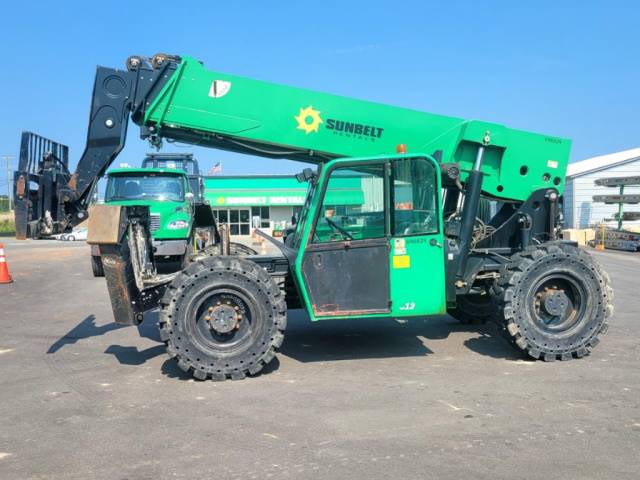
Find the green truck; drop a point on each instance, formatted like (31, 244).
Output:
(171, 186)
(168, 194)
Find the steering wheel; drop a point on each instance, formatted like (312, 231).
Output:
(420, 227)
(338, 228)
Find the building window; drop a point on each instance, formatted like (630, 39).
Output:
(237, 219)
(264, 214)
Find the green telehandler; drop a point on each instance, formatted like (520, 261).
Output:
(451, 215)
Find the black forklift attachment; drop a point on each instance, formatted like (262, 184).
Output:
(43, 170)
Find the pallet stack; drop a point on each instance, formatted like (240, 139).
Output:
(619, 238)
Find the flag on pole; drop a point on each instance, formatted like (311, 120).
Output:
(217, 168)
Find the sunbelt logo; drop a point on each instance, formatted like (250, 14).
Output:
(309, 121)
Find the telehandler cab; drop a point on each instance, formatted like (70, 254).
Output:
(450, 215)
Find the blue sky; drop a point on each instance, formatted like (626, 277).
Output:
(566, 68)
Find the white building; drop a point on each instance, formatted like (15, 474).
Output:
(579, 209)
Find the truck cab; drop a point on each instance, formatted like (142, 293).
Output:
(181, 161)
(167, 192)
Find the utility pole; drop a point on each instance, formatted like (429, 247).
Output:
(8, 159)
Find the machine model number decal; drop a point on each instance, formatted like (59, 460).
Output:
(552, 163)
(408, 306)
(417, 240)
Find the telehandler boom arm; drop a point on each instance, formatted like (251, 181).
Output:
(178, 99)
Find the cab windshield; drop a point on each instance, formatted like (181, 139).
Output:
(145, 187)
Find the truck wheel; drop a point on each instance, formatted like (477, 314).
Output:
(222, 317)
(96, 266)
(234, 249)
(473, 309)
(554, 302)
(241, 249)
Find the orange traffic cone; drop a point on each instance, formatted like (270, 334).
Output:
(5, 276)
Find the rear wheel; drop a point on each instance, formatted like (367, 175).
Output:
(96, 266)
(554, 302)
(223, 317)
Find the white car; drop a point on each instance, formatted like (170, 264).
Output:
(79, 234)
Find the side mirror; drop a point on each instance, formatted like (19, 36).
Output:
(189, 196)
(305, 175)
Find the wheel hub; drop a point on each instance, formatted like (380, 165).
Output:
(223, 318)
(555, 302)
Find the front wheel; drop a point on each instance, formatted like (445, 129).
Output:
(223, 317)
(554, 302)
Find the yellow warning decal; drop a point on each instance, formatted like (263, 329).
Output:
(401, 261)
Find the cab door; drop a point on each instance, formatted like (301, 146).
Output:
(375, 244)
(416, 256)
(345, 263)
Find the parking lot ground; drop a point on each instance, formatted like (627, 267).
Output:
(84, 398)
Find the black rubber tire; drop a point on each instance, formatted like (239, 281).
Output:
(515, 298)
(194, 346)
(241, 249)
(473, 309)
(235, 248)
(96, 266)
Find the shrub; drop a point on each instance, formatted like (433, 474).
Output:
(7, 226)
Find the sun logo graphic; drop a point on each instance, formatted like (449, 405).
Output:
(308, 120)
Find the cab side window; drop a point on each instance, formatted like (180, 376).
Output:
(414, 197)
(353, 205)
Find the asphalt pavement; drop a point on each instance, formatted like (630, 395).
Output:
(84, 398)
